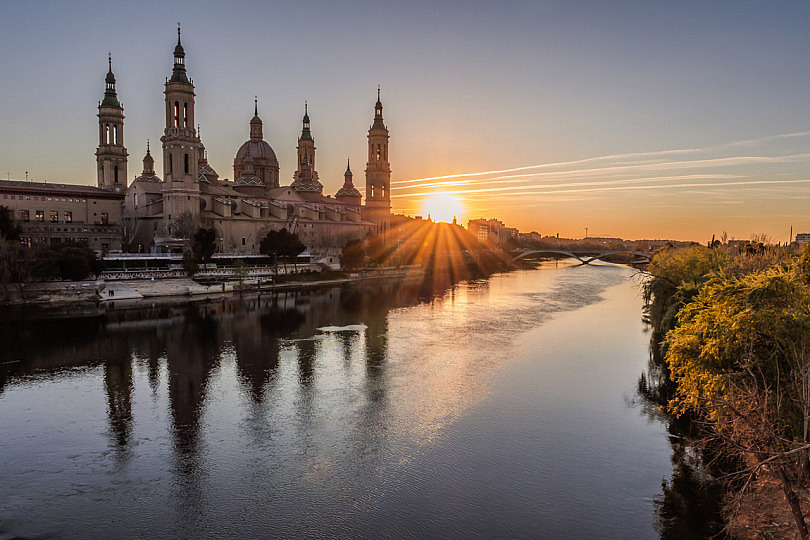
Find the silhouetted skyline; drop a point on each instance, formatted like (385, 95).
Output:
(631, 118)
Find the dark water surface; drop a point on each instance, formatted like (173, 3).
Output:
(495, 408)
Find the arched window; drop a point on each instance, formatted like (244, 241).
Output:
(115, 134)
(372, 190)
(185, 163)
(176, 114)
(171, 166)
(107, 134)
(382, 191)
(185, 114)
(115, 173)
(378, 152)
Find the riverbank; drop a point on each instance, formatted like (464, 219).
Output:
(60, 294)
(731, 329)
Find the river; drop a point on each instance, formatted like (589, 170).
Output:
(504, 407)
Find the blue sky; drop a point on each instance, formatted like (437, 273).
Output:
(468, 87)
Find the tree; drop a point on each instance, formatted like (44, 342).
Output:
(353, 255)
(281, 244)
(186, 225)
(740, 357)
(204, 244)
(76, 261)
(9, 229)
(240, 270)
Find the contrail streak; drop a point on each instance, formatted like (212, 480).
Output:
(611, 156)
(538, 190)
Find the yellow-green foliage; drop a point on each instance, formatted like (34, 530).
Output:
(745, 339)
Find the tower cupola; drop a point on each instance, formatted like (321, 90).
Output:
(256, 122)
(348, 194)
(110, 97)
(179, 69)
(306, 134)
(148, 162)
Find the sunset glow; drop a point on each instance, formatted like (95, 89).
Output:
(442, 207)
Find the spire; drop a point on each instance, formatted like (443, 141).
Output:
(179, 70)
(110, 97)
(148, 162)
(378, 116)
(256, 122)
(348, 168)
(306, 135)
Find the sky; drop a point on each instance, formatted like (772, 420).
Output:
(636, 119)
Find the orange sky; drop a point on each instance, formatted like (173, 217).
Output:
(631, 118)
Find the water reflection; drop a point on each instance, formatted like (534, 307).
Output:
(690, 502)
(297, 412)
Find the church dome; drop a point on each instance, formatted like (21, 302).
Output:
(257, 149)
(348, 191)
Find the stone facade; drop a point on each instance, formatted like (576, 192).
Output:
(242, 211)
(143, 216)
(50, 214)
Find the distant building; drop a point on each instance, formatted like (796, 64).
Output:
(242, 211)
(142, 216)
(50, 214)
(491, 230)
(802, 238)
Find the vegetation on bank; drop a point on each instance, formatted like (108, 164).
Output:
(23, 264)
(734, 327)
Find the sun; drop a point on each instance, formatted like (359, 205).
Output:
(442, 207)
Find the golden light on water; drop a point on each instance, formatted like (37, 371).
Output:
(442, 207)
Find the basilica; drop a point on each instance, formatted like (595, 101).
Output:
(243, 210)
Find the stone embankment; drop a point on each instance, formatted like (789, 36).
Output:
(59, 293)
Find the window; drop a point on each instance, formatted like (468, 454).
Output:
(55, 240)
(243, 240)
(135, 200)
(54, 216)
(115, 134)
(105, 218)
(185, 114)
(12, 197)
(115, 173)
(68, 217)
(176, 114)
(24, 215)
(171, 166)
(40, 215)
(382, 191)
(372, 190)
(185, 163)
(26, 241)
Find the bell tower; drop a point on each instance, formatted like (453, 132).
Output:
(378, 173)
(181, 191)
(306, 145)
(306, 177)
(111, 155)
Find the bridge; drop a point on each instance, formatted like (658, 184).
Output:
(586, 256)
